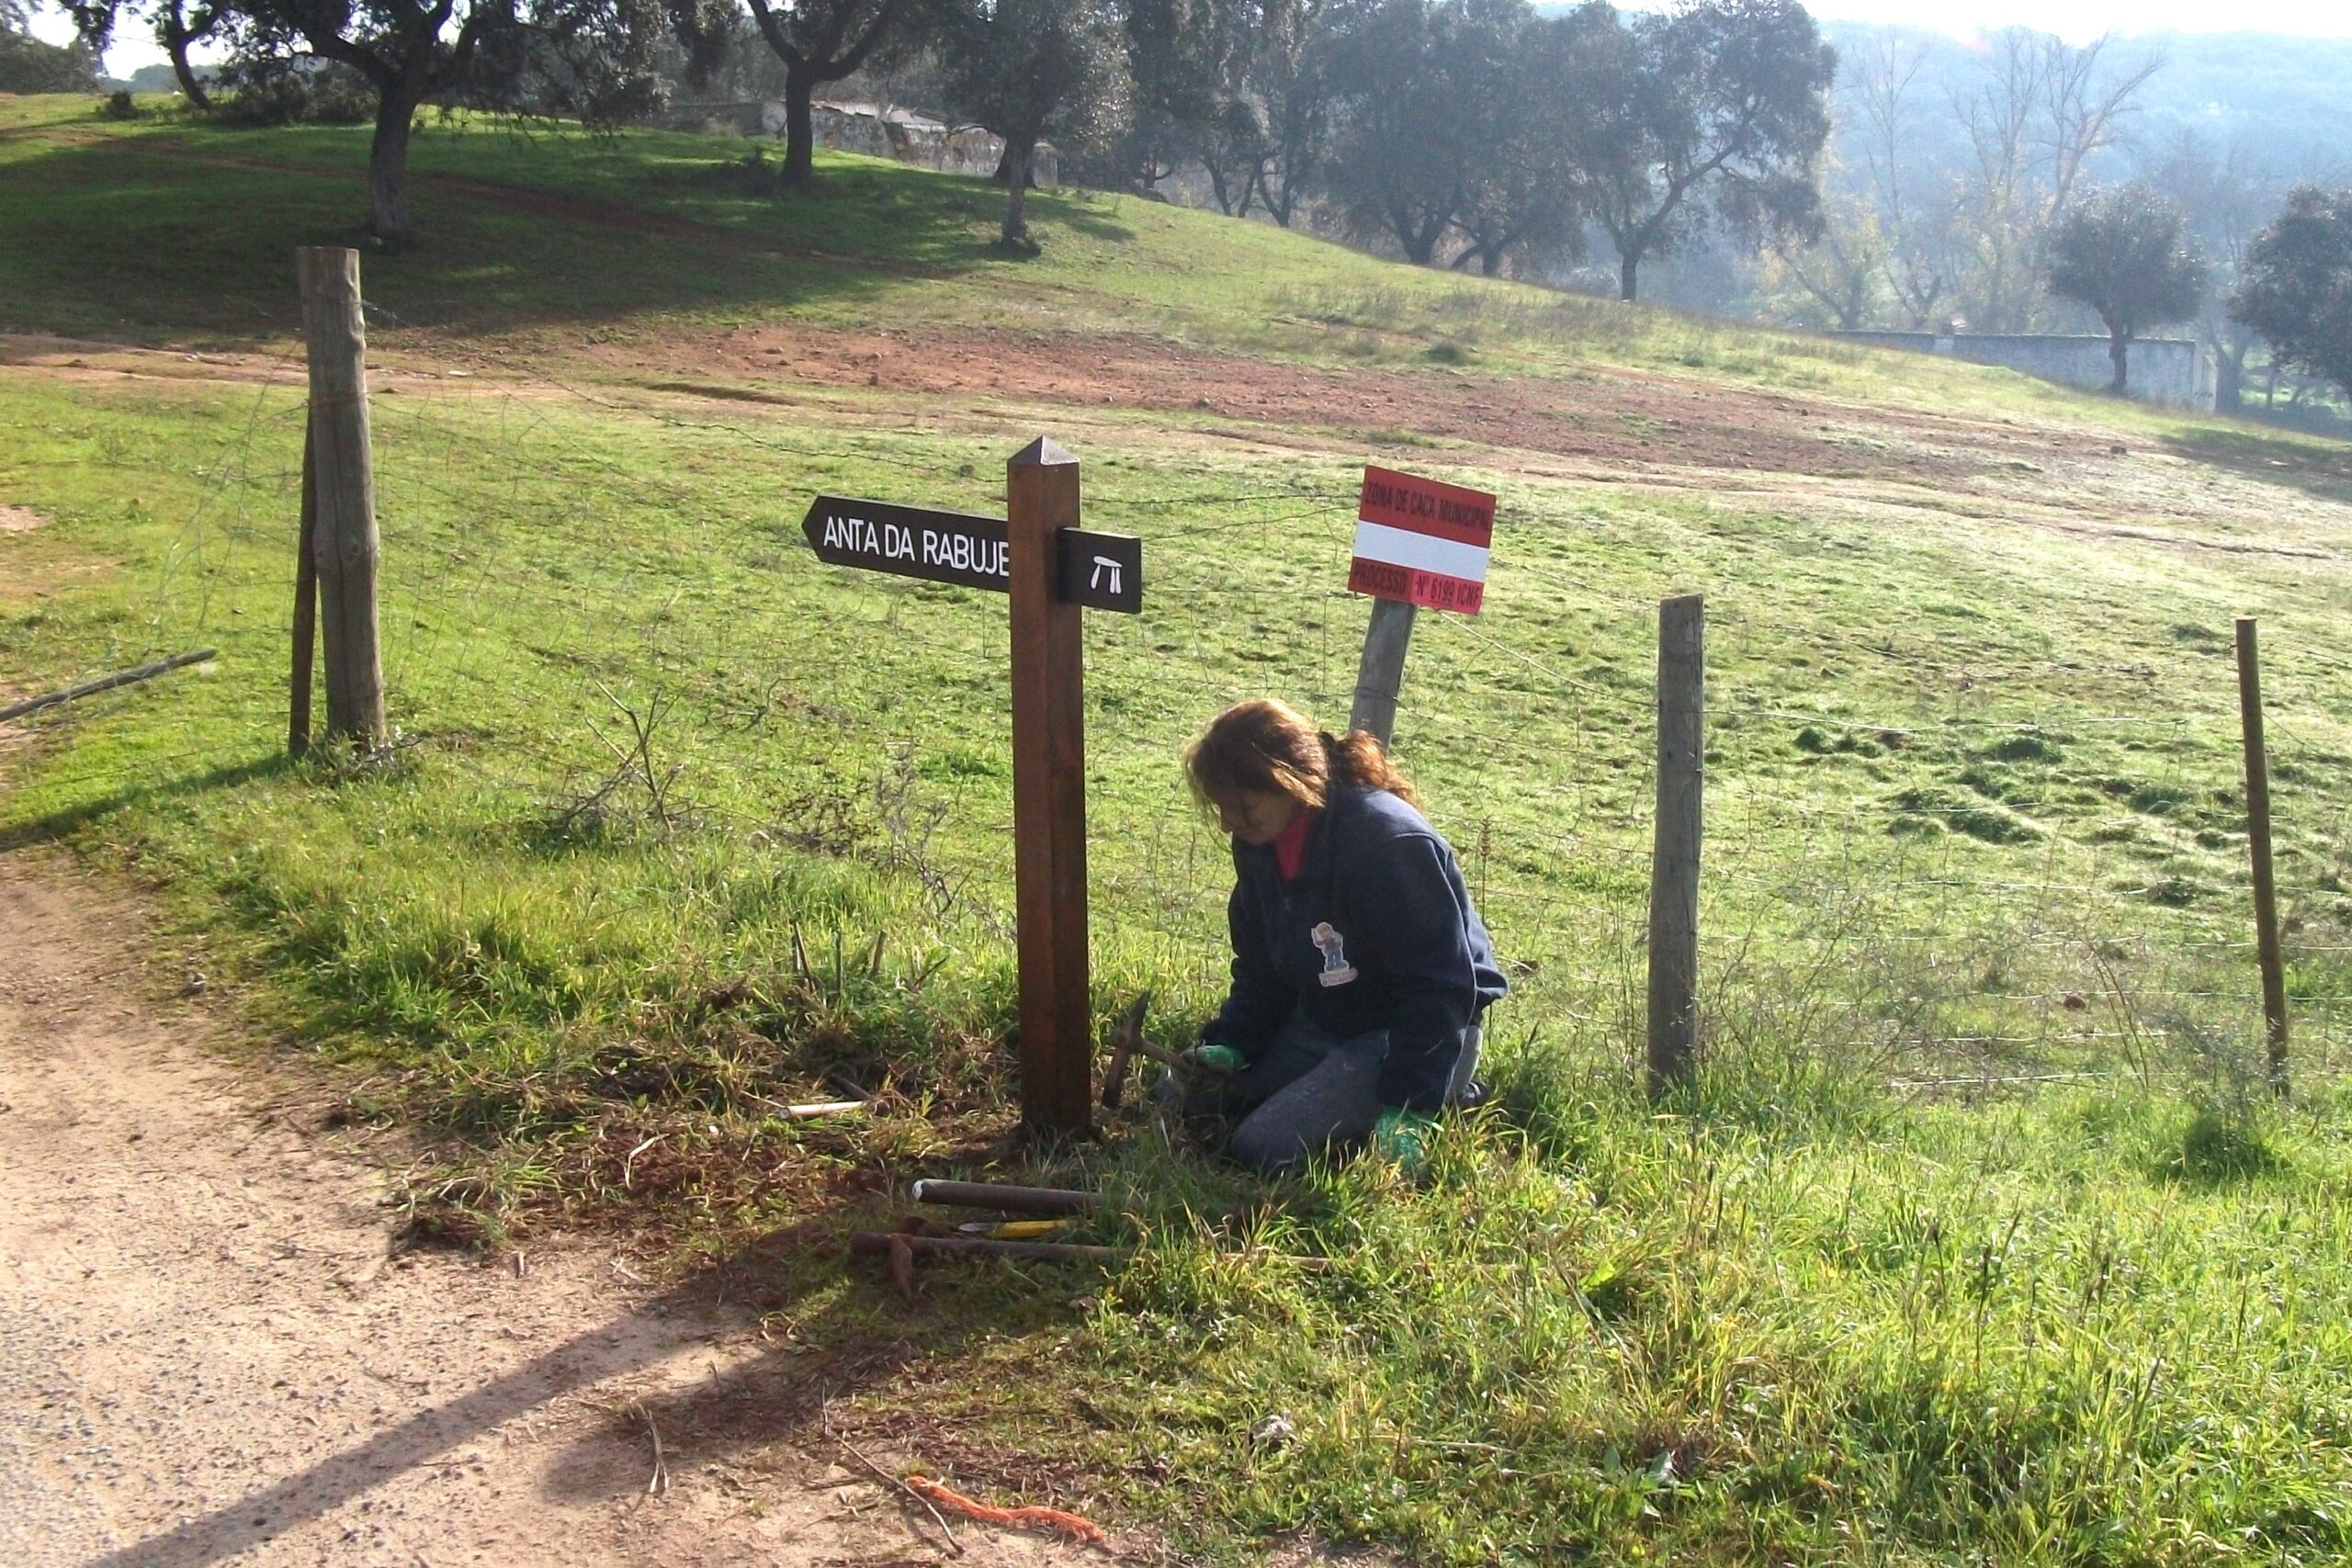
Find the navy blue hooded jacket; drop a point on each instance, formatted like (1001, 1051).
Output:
(1376, 933)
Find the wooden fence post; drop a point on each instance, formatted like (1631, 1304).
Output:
(1048, 796)
(344, 547)
(2257, 841)
(306, 603)
(1674, 857)
(1382, 671)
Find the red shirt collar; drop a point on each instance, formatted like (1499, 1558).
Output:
(1290, 850)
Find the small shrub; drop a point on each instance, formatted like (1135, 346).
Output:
(257, 94)
(1988, 822)
(1992, 825)
(2157, 799)
(118, 105)
(2028, 748)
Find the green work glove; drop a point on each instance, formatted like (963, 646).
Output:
(1213, 1057)
(1403, 1135)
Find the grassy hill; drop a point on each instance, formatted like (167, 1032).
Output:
(1979, 1240)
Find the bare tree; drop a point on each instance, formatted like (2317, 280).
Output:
(2043, 111)
(1842, 271)
(2086, 97)
(1999, 118)
(1917, 204)
(2228, 198)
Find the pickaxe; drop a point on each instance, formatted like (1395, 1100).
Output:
(1127, 1041)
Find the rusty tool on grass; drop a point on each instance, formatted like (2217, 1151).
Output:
(1018, 1200)
(1127, 1041)
(892, 1242)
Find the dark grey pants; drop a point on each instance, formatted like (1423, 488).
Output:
(1308, 1092)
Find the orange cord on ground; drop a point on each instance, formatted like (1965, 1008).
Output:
(1060, 1521)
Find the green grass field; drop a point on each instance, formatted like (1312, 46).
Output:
(1979, 1240)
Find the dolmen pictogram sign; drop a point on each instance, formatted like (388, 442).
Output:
(1421, 542)
(1053, 570)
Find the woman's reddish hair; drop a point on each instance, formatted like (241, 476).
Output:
(1267, 747)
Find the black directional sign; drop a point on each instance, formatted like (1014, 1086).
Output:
(1102, 572)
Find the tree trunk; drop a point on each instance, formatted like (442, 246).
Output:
(1003, 174)
(2118, 354)
(1419, 244)
(1629, 266)
(388, 164)
(800, 130)
(176, 40)
(1490, 262)
(1016, 195)
(1215, 172)
(2229, 379)
(1278, 211)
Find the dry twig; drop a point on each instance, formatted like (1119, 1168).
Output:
(658, 1483)
(825, 1411)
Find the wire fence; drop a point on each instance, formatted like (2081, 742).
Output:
(2027, 869)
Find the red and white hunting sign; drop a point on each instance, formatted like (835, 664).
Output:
(1421, 542)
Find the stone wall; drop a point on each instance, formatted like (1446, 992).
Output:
(2176, 372)
(875, 129)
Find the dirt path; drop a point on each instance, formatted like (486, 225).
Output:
(209, 1352)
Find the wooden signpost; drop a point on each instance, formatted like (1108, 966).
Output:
(1418, 542)
(1053, 570)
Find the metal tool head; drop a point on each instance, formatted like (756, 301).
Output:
(1125, 1040)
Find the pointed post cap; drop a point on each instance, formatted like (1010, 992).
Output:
(1043, 452)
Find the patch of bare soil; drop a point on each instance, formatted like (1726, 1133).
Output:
(19, 520)
(1609, 426)
(210, 1349)
(1624, 421)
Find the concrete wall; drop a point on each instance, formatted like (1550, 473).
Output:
(2177, 372)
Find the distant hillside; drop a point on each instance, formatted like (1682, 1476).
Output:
(2283, 105)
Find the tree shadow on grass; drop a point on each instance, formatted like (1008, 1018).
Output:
(2317, 468)
(68, 820)
(191, 233)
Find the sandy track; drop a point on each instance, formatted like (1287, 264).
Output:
(210, 1352)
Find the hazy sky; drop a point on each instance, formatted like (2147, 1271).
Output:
(2080, 20)
(2077, 20)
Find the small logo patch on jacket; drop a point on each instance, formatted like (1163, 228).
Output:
(1336, 970)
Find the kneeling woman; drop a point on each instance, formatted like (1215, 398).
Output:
(1360, 970)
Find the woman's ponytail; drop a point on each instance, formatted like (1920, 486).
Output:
(1358, 758)
(1269, 746)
